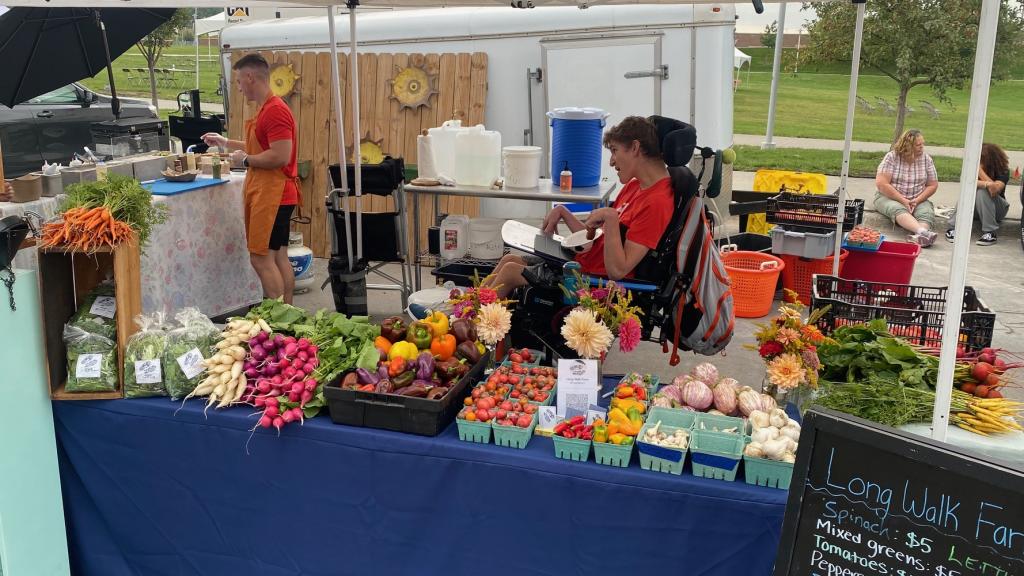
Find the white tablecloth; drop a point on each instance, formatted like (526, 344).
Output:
(199, 256)
(45, 207)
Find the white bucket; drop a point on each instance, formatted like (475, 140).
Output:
(485, 238)
(521, 166)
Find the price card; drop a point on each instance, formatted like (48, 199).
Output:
(148, 372)
(547, 417)
(572, 412)
(577, 385)
(191, 363)
(88, 366)
(103, 306)
(595, 412)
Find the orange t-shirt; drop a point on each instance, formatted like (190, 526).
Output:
(275, 122)
(644, 213)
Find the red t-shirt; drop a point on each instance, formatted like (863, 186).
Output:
(644, 212)
(275, 122)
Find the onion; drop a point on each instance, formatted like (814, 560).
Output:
(697, 394)
(725, 396)
(706, 373)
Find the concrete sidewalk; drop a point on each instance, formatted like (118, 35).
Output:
(211, 107)
(1016, 156)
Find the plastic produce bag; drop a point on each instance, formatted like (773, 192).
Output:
(187, 346)
(96, 314)
(92, 361)
(143, 358)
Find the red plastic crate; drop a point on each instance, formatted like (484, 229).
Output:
(798, 273)
(893, 262)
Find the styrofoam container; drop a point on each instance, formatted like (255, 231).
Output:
(521, 166)
(485, 238)
(803, 244)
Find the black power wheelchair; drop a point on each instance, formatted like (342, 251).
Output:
(540, 309)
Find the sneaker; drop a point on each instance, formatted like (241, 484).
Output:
(920, 239)
(930, 237)
(987, 239)
(950, 235)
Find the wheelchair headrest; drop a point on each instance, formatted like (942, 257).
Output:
(678, 140)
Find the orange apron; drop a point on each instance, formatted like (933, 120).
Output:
(263, 191)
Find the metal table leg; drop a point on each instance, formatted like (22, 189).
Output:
(416, 241)
(404, 246)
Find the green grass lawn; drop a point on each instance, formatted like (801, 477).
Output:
(862, 164)
(814, 106)
(175, 56)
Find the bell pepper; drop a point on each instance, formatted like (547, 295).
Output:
(481, 348)
(420, 335)
(404, 379)
(468, 351)
(617, 438)
(438, 323)
(396, 366)
(367, 388)
(424, 366)
(619, 417)
(443, 346)
(382, 344)
(561, 427)
(634, 417)
(367, 377)
(405, 350)
(393, 329)
(451, 369)
(600, 434)
(463, 330)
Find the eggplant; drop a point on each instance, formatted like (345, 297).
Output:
(424, 366)
(367, 377)
(464, 330)
(382, 372)
(384, 387)
(413, 390)
(436, 393)
(467, 351)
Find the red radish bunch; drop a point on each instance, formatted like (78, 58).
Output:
(279, 375)
(984, 375)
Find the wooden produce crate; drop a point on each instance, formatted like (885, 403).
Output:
(65, 279)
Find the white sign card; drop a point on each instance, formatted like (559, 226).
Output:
(577, 385)
(88, 366)
(148, 372)
(191, 363)
(547, 417)
(595, 412)
(104, 306)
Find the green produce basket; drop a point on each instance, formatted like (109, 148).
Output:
(764, 472)
(537, 355)
(713, 424)
(661, 458)
(716, 455)
(513, 436)
(550, 400)
(651, 385)
(571, 448)
(474, 431)
(613, 454)
(671, 417)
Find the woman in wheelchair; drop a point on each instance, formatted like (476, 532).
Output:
(633, 224)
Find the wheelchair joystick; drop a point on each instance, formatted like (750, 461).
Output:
(569, 271)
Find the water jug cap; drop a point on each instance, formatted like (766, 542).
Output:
(578, 114)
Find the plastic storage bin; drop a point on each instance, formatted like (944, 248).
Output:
(892, 262)
(746, 241)
(716, 455)
(571, 448)
(799, 272)
(770, 473)
(753, 276)
(805, 244)
(812, 212)
(576, 140)
(914, 313)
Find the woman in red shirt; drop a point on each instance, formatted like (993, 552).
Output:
(633, 224)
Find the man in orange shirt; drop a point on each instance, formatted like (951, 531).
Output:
(634, 223)
(271, 185)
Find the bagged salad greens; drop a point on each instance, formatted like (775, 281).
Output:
(97, 312)
(187, 346)
(92, 361)
(143, 358)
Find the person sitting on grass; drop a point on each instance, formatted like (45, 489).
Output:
(905, 179)
(633, 224)
(990, 205)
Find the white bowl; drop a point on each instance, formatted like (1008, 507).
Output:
(578, 242)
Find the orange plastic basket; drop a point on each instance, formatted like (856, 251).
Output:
(797, 274)
(753, 276)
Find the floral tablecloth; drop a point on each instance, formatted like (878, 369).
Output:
(199, 256)
(45, 207)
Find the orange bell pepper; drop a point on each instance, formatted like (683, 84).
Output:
(382, 344)
(443, 347)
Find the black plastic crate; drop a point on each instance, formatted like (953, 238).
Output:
(400, 413)
(812, 212)
(747, 242)
(461, 271)
(913, 313)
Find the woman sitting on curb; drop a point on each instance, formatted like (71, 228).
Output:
(906, 178)
(990, 205)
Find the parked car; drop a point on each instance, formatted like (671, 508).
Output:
(54, 126)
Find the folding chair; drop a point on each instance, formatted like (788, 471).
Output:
(930, 109)
(865, 105)
(885, 106)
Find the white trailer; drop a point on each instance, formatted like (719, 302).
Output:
(673, 60)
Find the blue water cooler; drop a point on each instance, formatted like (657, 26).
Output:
(576, 140)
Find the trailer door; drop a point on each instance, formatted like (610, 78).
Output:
(619, 74)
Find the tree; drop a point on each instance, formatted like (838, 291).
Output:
(916, 42)
(152, 46)
(770, 31)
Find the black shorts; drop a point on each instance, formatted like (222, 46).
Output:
(282, 227)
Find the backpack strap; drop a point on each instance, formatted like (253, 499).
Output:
(696, 245)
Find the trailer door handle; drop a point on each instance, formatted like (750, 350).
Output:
(659, 72)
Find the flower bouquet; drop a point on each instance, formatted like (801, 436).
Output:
(482, 306)
(602, 312)
(788, 344)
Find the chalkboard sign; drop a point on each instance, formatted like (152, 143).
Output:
(866, 499)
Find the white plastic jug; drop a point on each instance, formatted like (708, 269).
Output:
(521, 166)
(477, 156)
(454, 236)
(442, 141)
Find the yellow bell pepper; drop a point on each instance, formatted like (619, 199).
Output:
(634, 417)
(617, 439)
(480, 348)
(438, 322)
(402, 349)
(617, 416)
(600, 434)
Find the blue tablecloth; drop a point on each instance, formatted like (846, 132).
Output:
(150, 492)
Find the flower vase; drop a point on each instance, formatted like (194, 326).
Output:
(800, 397)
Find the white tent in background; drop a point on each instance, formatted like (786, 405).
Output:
(739, 58)
(210, 24)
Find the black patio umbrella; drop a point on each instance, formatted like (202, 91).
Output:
(43, 49)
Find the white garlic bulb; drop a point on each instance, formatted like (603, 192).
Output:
(763, 435)
(754, 450)
(778, 418)
(788, 458)
(775, 449)
(759, 419)
(791, 431)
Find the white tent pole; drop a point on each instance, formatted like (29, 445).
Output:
(965, 214)
(195, 33)
(353, 67)
(780, 35)
(851, 106)
(340, 117)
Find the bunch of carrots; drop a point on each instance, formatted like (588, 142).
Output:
(87, 230)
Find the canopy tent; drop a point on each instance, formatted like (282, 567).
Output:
(969, 171)
(739, 58)
(210, 24)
